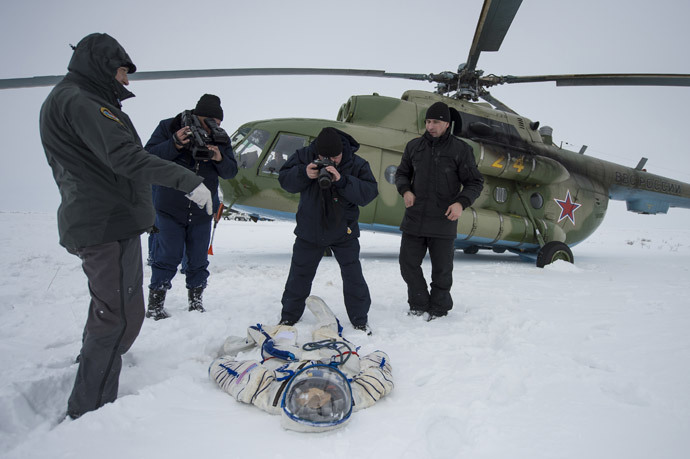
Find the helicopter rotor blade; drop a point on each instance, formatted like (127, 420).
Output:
(30, 82)
(494, 22)
(210, 73)
(51, 80)
(605, 79)
(497, 103)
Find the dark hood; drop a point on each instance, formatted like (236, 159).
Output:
(350, 146)
(95, 62)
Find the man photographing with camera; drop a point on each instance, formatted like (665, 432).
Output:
(332, 182)
(201, 135)
(324, 170)
(194, 140)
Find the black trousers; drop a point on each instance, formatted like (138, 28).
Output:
(441, 251)
(305, 260)
(116, 313)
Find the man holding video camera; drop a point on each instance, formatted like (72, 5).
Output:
(332, 182)
(192, 139)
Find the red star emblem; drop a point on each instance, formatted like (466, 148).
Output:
(568, 208)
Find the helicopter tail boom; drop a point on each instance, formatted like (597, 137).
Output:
(647, 193)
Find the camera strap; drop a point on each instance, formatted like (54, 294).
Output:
(331, 209)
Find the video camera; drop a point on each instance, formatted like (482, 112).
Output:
(200, 138)
(325, 178)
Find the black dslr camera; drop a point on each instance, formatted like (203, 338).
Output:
(325, 178)
(200, 138)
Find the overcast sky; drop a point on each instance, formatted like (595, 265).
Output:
(547, 37)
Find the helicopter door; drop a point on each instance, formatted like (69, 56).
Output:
(373, 156)
(389, 207)
(283, 148)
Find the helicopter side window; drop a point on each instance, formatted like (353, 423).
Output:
(537, 200)
(250, 149)
(284, 147)
(389, 174)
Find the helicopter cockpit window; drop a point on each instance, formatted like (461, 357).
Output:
(500, 194)
(239, 136)
(284, 147)
(249, 150)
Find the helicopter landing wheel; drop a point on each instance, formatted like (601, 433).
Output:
(554, 251)
(471, 250)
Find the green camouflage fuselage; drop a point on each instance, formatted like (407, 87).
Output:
(534, 192)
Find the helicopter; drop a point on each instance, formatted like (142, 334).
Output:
(539, 199)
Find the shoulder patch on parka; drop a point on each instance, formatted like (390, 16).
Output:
(108, 114)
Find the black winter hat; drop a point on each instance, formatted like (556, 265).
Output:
(209, 106)
(329, 143)
(438, 111)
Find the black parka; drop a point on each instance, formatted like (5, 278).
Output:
(328, 216)
(103, 173)
(439, 171)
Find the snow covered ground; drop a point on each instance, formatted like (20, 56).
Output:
(590, 360)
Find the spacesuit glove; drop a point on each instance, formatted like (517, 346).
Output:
(233, 345)
(201, 196)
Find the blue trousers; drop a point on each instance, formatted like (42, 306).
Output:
(305, 260)
(171, 244)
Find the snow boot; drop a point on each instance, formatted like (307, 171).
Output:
(433, 315)
(156, 311)
(195, 302)
(364, 328)
(416, 312)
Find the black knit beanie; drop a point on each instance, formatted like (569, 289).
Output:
(329, 143)
(209, 106)
(438, 111)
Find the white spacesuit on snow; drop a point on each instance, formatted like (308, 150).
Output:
(314, 387)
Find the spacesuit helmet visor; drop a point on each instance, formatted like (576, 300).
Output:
(317, 398)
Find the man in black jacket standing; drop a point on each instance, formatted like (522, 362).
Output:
(327, 217)
(104, 176)
(437, 178)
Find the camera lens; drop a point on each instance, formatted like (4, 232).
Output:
(324, 179)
